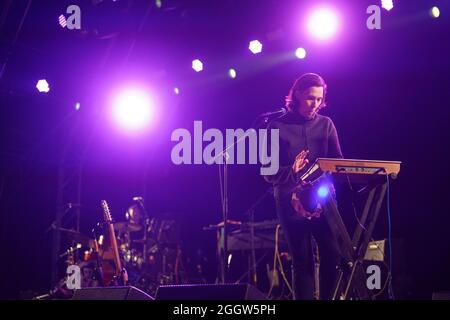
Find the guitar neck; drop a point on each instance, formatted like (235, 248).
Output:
(112, 236)
(117, 262)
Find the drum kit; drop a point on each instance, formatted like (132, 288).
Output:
(148, 249)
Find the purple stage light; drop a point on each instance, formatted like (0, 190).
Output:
(323, 23)
(232, 73)
(300, 53)
(42, 86)
(197, 65)
(255, 46)
(387, 4)
(434, 12)
(133, 109)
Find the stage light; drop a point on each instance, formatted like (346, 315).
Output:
(232, 73)
(323, 23)
(300, 53)
(77, 106)
(323, 191)
(435, 12)
(133, 109)
(42, 86)
(387, 4)
(62, 21)
(176, 90)
(255, 46)
(197, 65)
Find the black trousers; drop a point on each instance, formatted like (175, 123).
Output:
(298, 231)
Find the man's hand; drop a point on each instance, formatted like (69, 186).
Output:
(300, 161)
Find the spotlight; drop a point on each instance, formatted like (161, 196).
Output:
(133, 109)
(387, 4)
(434, 12)
(176, 90)
(197, 65)
(323, 23)
(255, 46)
(42, 86)
(300, 53)
(77, 106)
(232, 73)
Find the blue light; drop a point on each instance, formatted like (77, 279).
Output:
(323, 191)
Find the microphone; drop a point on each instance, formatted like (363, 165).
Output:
(278, 112)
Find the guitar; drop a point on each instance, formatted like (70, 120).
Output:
(120, 274)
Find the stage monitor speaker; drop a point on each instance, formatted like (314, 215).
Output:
(111, 293)
(444, 295)
(230, 291)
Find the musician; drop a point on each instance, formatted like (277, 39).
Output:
(88, 276)
(304, 136)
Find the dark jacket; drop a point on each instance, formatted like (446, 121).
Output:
(318, 135)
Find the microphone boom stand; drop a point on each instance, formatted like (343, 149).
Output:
(224, 191)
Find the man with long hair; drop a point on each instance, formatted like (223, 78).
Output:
(305, 135)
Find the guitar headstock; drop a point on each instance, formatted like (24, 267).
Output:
(106, 213)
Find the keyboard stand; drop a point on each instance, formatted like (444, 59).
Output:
(351, 283)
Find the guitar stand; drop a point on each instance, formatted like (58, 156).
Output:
(352, 278)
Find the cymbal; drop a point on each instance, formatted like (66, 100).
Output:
(148, 242)
(78, 237)
(221, 224)
(231, 222)
(125, 226)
